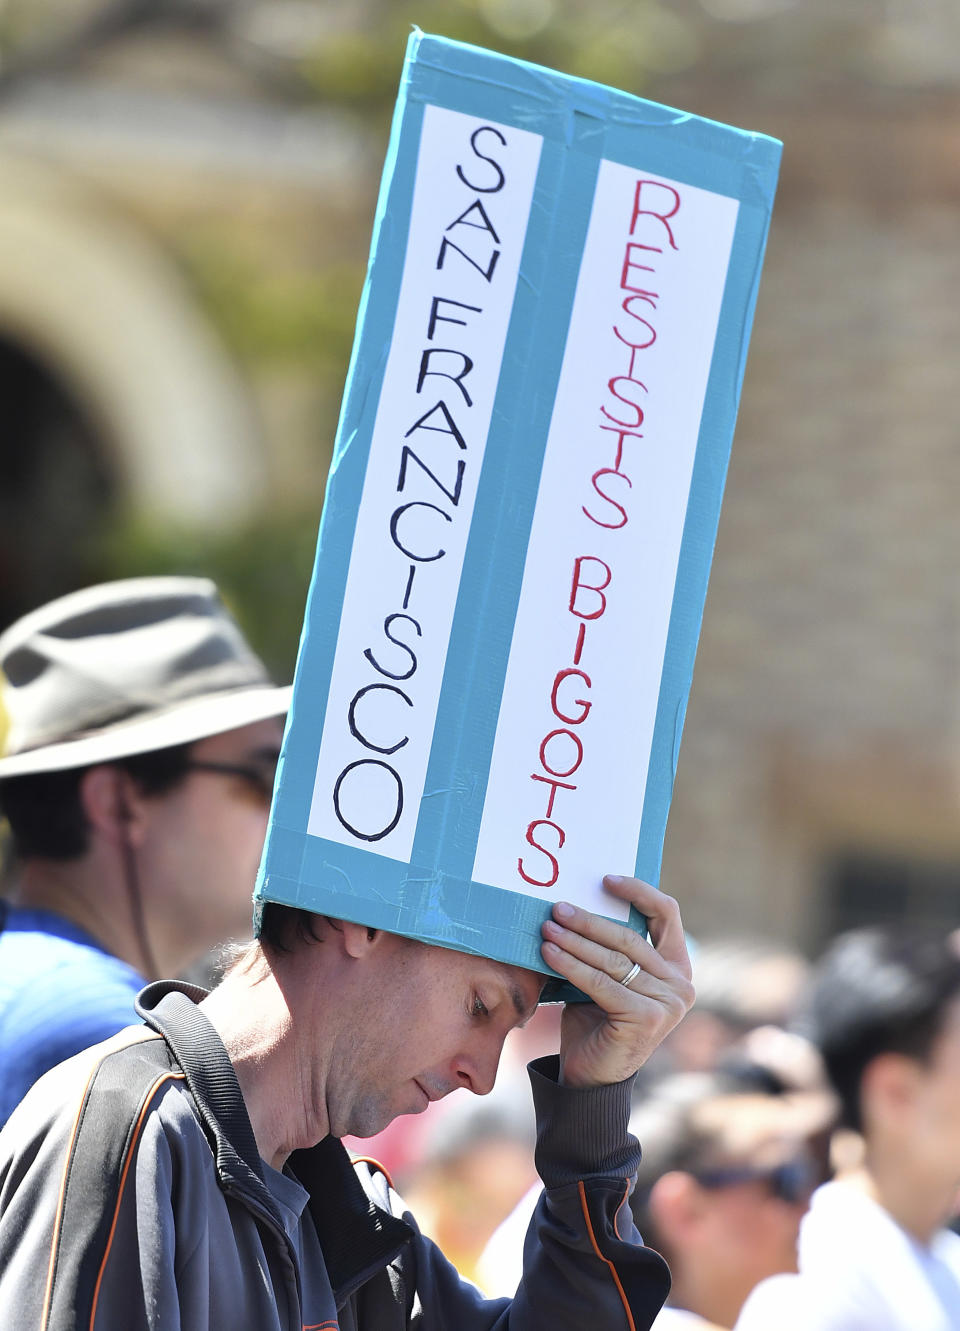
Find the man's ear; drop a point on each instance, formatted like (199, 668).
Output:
(358, 939)
(112, 803)
(888, 1089)
(674, 1206)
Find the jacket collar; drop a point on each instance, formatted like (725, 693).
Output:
(357, 1236)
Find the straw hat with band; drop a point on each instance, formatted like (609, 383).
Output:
(126, 668)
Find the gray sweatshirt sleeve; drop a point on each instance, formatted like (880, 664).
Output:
(584, 1264)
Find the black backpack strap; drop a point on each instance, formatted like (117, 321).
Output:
(170, 1008)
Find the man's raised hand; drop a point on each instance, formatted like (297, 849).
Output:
(608, 1039)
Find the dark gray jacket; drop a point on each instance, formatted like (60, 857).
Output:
(132, 1196)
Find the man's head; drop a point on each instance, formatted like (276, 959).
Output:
(884, 1009)
(143, 729)
(408, 1022)
(878, 994)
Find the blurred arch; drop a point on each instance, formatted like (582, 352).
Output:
(92, 294)
(55, 483)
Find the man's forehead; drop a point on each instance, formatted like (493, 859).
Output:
(524, 988)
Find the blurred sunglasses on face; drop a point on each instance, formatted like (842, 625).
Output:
(794, 1181)
(256, 781)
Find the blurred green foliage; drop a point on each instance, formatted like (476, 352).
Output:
(292, 309)
(269, 314)
(620, 43)
(278, 273)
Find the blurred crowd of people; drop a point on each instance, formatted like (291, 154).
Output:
(800, 1128)
(801, 1143)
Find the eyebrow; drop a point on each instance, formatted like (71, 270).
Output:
(519, 1004)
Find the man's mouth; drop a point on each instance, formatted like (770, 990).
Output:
(431, 1096)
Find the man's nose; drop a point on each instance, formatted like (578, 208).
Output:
(477, 1071)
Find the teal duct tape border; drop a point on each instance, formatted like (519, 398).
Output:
(433, 897)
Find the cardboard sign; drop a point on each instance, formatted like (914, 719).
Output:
(522, 505)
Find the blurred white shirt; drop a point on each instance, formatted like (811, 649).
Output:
(859, 1271)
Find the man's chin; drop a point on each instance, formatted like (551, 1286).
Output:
(371, 1120)
(416, 1104)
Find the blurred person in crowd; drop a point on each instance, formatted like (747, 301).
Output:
(727, 1174)
(190, 1172)
(742, 983)
(874, 1253)
(143, 736)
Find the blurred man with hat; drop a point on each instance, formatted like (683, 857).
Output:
(143, 735)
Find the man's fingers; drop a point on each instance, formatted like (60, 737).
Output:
(662, 955)
(606, 1041)
(607, 946)
(662, 915)
(671, 994)
(596, 983)
(597, 954)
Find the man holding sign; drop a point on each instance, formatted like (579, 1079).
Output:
(494, 669)
(189, 1173)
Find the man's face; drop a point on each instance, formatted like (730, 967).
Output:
(202, 842)
(434, 1020)
(935, 1125)
(752, 1230)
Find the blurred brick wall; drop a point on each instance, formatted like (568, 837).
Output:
(824, 709)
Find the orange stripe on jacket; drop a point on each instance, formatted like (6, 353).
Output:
(613, 1270)
(55, 1240)
(381, 1169)
(164, 1077)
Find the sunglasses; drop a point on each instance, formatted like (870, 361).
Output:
(258, 782)
(791, 1182)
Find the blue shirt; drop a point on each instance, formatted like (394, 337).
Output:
(59, 992)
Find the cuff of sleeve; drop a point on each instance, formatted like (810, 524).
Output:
(581, 1132)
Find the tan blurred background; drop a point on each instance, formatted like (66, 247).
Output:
(186, 195)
